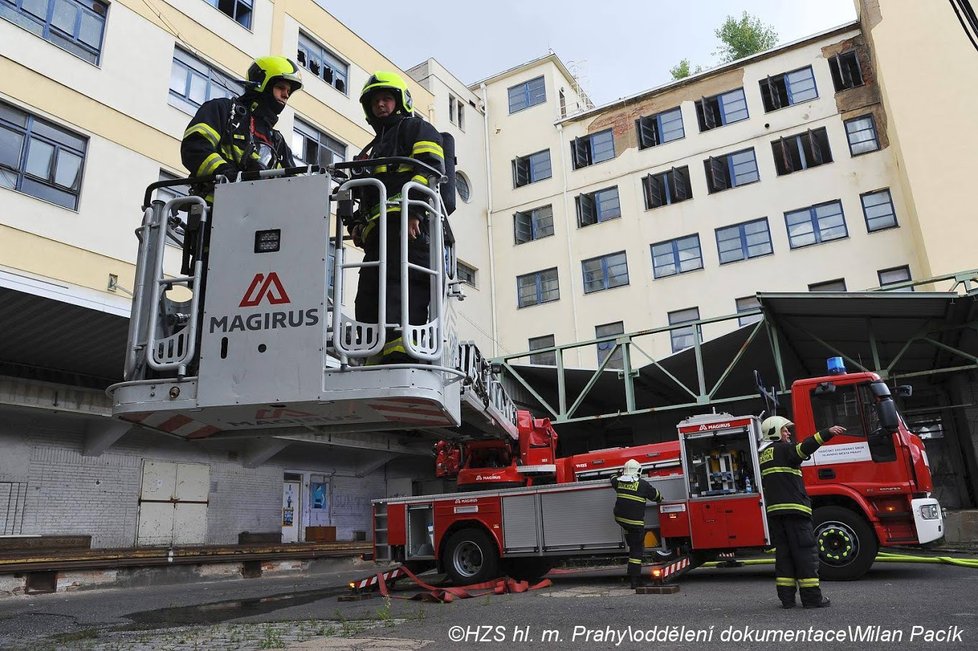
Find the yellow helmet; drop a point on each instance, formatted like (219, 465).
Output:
(772, 426)
(381, 80)
(265, 70)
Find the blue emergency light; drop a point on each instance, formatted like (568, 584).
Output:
(836, 366)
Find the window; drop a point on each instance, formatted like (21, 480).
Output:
(322, 63)
(667, 187)
(742, 241)
(193, 82)
(731, 170)
(878, 210)
(563, 104)
(455, 112)
(600, 206)
(748, 304)
(862, 136)
(837, 285)
(660, 128)
(538, 287)
(716, 111)
(683, 338)
(544, 359)
(676, 256)
(816, 224)
(605, 272)
(609, 349)
(310, 146)
(801, 151)
(532, 168)
(239, 10)
(466, 273)
(845, 70)
(533, 224)
(39, 158)
(595, 148)
(73, 25)
(894, 276)
(527, 94)
(788, 89)
(462, 187)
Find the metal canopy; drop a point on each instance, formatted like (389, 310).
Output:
(896, 334)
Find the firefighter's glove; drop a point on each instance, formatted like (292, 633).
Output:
(356, 232)
(228, 170)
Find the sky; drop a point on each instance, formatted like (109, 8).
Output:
(616, 48)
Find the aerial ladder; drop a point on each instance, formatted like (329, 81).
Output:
(251, 337)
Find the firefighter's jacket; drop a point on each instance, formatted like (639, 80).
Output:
(233, 132)
(631, 497)
(784, 488)
(397, 136)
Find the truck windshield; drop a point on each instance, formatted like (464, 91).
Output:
(853, 407)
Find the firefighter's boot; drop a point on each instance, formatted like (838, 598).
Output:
(787, 596)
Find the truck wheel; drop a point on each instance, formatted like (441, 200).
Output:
(528, 569)
(846, 543)
(470, 557)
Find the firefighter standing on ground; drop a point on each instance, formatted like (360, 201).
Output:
(389, 109)
(789, 510)
(228, 136)
(632, 492)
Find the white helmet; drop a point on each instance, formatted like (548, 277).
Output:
(772, 426)
(632, 468)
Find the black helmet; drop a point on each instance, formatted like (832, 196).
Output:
(387, 81)
(265, 70)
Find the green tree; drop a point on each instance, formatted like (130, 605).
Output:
(744, 37)
(738, 39)
(682, 70)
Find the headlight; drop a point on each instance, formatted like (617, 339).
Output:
(930, 511)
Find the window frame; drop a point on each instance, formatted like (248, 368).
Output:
(872, 128)
(609, 349)
(462, 273)
(542, 359)
(234, 16)
(721, 118)
(583, 148)
(840, 72)
(729, 167)
(772, 101)
(678, 334)
(530, 99)
(866, 217)
(328, 60)
(14, 12)
(818, 148)
(649, 128)
(598, 203)
(606, 263)
(669, 187)
(750, 318)
(909, 278)
(676, 261)
(213, 77)
(828, 286)
(742, 237)
(530, 165)
(44, 134)
(536, 222)
(814, 220)
(303, 128)
(538, 280)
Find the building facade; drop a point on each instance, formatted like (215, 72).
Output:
(837, 162)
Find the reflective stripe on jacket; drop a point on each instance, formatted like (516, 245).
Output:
(784, 488)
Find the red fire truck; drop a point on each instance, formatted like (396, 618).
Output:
(869, 488)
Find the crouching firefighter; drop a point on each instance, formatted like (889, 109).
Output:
(632, 492)
(789, 510)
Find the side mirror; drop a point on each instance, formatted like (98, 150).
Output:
(887, 412)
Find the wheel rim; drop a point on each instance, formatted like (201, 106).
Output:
(837, 543)
(467, 559)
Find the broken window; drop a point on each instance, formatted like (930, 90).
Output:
(845, 70)
(322, 63)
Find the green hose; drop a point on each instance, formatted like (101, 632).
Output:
(882, 557)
